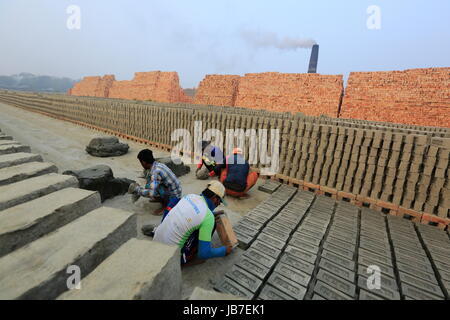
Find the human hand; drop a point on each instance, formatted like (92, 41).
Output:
(229, 250)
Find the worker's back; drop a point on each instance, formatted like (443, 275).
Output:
(237, 172)
(187, 216)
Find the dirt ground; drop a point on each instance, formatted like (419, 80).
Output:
(63, 144)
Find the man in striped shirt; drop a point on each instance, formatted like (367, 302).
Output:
(162, 184)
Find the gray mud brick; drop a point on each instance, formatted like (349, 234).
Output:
(339, 260)
(386, 281)
(273, 242)
(289, 287)
(301, 254)
(376, 258)
(256, 217)
(337, 270)
(380, 250)
(293, 274)
(366, 295)
(270, 186)
(441, 258)
(385, 292)
(39, 269)
(286, 220)
(297, 263)
(342, 236)
(425, 267)
(317, 297)
(249, 223)
(329, 293)
(346, 287)
(128, 274)
(407, 245)
(306, 225)
(351, 228)
(239, 228)
(244, 239)
(23, 224)
(338, 230)
(339, 243)
(421, 284)
(381, 243)
(259, 258)
(270, 293)
(228, 286)
(317, 223)
(447, 287)
(411, 260)
(14, 159)
(254, 268)
(418, 294)
(276, 233)
(385, 270)
(296, 242)
(13, 148)
(25, 171)
(315, 234)
(418, 253)
(30, 189)
(417, 272)
(244, 278)
(266, 249)
(348, 254)
(300, 236)
(284, 229)
(445, 275)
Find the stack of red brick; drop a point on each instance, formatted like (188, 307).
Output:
(218, 90)
(312, 94)
(93, 86)
(416, 96)
(156, 86)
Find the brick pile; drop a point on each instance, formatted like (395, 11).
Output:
(218, 90)
(93, 86)
(155, 86)
(311, 94)
(416, 96)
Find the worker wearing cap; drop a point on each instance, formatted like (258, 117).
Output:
(236, 175)
(211, 163)
(191, 223)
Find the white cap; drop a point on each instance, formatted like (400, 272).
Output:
(218, 188)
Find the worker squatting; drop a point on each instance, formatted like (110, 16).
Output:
(189, 221)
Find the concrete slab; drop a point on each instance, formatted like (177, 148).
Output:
(39, 270)
(14, 148)
(25, 171)
(29, 221)
(14, 159)
(202, 294)
(138, 270)
(30, 189)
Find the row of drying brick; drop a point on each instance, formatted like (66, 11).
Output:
(330, 255)
(95, 102)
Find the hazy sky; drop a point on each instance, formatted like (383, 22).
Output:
(200, 37)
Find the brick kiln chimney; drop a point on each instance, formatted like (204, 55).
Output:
(314, 59)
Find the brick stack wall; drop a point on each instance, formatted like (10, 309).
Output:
(218, 90)
(311, 94)
(155, 86)
(406, 166)
(416, 96)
